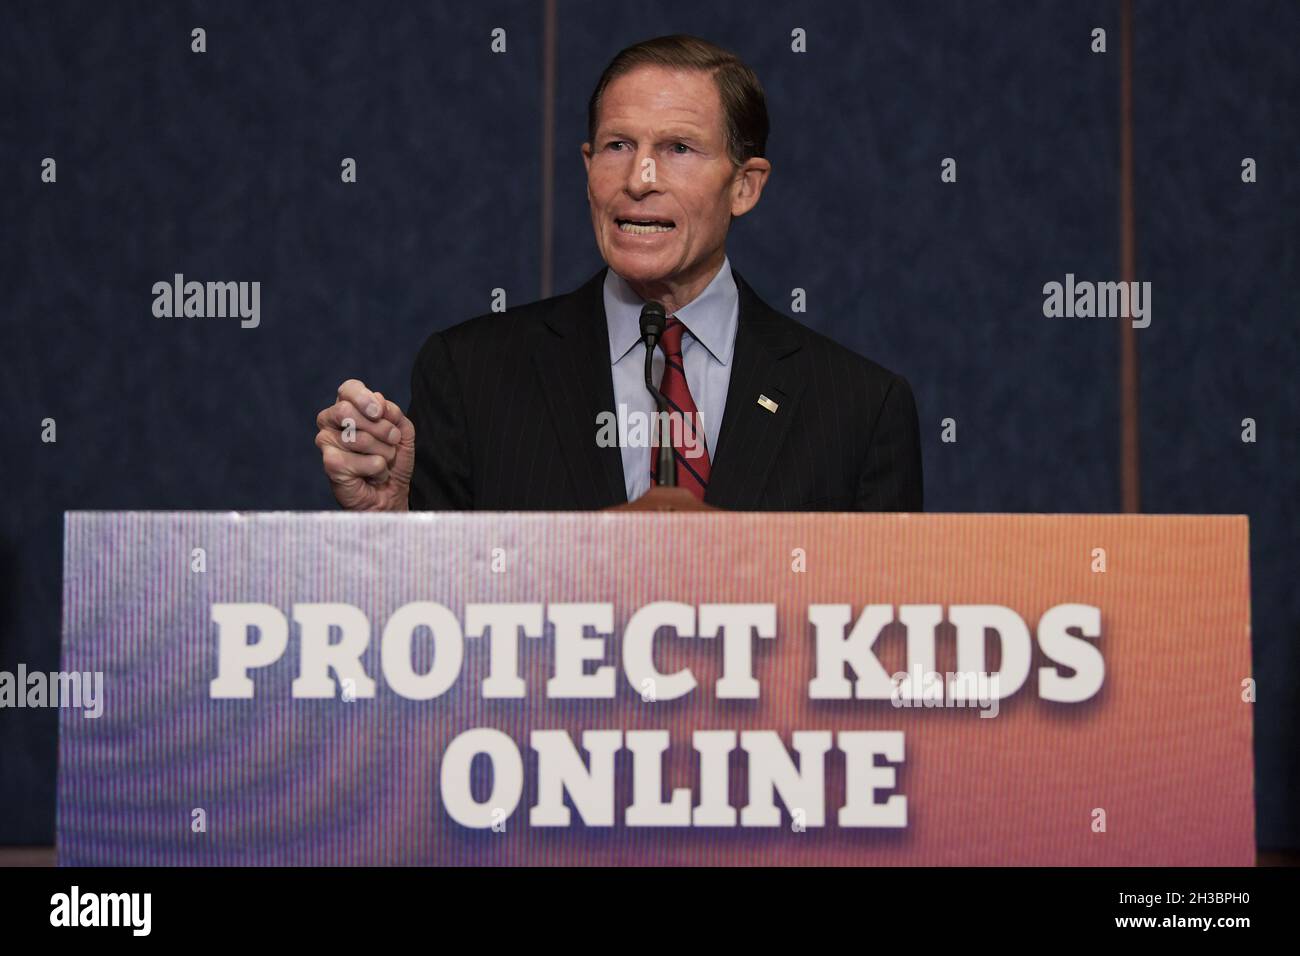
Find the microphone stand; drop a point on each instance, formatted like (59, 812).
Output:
(653, 321)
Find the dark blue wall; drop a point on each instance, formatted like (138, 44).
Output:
(1215, 85)
(226, 166)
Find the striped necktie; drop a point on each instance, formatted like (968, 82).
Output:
(686, 431)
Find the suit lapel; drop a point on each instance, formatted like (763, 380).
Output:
(767, 362)
(572, 362)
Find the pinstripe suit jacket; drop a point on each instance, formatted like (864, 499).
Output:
(505, 411)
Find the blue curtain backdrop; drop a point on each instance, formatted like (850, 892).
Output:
(226, 166)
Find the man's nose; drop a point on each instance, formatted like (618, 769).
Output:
(643, 177)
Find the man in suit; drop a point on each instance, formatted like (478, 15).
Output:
(538, 407)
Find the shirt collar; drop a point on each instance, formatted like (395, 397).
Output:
(711, 317)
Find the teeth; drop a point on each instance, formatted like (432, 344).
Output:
(639, 230)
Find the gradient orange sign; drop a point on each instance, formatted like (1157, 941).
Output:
(660, 689)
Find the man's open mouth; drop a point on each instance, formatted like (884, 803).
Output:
(642, 227)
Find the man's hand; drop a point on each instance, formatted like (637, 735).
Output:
(368, 449)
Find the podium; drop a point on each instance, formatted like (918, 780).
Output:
(657, 688)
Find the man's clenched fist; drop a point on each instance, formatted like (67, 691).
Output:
(368, 449)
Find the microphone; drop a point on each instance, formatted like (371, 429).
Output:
(653, 322)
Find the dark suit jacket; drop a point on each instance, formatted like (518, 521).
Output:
(505, 406)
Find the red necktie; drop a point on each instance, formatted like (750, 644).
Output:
(686, 431)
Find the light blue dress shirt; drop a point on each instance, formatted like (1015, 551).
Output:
(711, 320)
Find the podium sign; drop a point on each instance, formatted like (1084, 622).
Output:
(657, 689)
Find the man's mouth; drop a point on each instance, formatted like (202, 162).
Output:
(644, 227)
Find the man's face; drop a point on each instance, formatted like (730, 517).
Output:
(661, 185)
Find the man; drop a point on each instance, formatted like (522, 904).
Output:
(513, 411)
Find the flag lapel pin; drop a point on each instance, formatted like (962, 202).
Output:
(767, 403)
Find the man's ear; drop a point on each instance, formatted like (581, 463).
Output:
(586, 156)
(748, 183)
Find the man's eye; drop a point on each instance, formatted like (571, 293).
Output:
(683, 151)
(612, 143)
